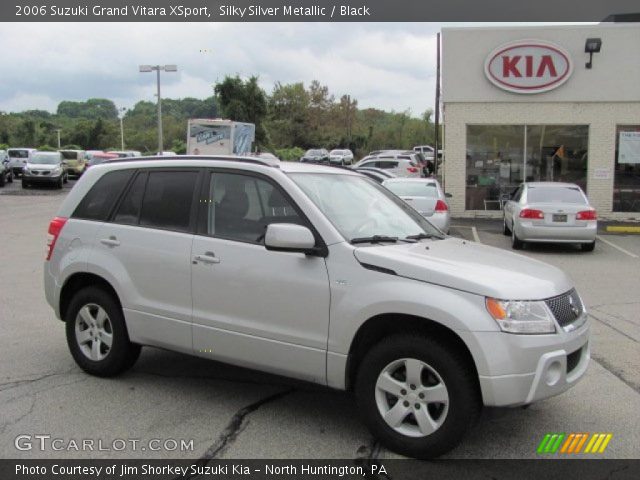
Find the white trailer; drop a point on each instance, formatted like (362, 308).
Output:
(216, 136)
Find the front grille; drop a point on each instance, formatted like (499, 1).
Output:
(567, 308)
(40, 172)
(573, 359)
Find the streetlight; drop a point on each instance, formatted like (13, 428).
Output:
(58, 130)
(158, 68)
(122, 111)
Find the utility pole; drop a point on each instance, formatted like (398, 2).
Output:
(436, 147)
(122, 111)
(58, 130)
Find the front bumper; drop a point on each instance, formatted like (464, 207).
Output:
(43, 179)
(522, 369)
(530, 232)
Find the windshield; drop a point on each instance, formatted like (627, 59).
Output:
(69, 154)
(358, 207)
(336, 152)
(413, 189)
(555, 195)
(44, 159)
(18, 153)
(314, 152)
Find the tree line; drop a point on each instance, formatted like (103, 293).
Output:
(292, 118)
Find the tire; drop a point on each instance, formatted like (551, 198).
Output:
(439, 362)
(516, 243)
(59, 184)
(94, 355)
(505, 229)
(66, 178)
(588, 247)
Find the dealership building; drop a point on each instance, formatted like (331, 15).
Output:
(552, 103)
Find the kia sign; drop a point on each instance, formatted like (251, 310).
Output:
(528, 66)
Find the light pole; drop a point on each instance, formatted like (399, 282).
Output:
(58, 130)
(122, 111)
(158, 68)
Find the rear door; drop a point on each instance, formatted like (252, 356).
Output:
(251, 306)
(146, 249)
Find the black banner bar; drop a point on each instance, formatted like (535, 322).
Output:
(253, 469)
(315, 10)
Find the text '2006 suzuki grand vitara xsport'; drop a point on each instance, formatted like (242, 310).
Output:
(315, 273)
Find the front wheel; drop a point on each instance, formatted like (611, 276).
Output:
(97, 335)
(418, 396)
(505, 229)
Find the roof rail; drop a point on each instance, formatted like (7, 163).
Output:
(222, 158)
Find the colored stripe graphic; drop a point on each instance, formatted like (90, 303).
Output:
(573, 443)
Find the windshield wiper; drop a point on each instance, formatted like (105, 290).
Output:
(374, 239)
(420, 236)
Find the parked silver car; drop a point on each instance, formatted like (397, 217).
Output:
(426, 196)
(45, 168)
(312, 272)
(401, 165)
(550, 212)
(341, 157)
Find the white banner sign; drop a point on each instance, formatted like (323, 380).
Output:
(629, 147)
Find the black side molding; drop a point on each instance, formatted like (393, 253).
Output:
(376, 268)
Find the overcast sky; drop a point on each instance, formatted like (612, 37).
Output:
(383, 65)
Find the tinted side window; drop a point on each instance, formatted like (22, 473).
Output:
(129, 209)
(98, 202)
(240, 207)
(387, 165)
(167, 200)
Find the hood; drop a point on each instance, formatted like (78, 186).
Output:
(42, 166)
(471, 267)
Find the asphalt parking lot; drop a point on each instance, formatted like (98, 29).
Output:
(229, 412)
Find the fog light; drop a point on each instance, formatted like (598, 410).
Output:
(553, 374)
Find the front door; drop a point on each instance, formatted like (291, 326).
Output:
(253, 307)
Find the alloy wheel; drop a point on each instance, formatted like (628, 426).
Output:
(94, 332)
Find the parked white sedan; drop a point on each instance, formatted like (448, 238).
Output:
(550, 212)
(426, 196)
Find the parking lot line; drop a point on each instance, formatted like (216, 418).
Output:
(611, 244)
(476, 237)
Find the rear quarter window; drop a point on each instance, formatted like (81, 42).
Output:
(99, 200)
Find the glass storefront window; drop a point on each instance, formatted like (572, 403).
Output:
(500, 157)
(626, 179)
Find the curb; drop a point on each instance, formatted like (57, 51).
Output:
(622, 229)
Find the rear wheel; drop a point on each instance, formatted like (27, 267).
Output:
(516, 243)
(588, 247)
(97, 335)
(418, 396)
(505, 229)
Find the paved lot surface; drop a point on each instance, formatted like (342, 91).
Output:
(230, 412)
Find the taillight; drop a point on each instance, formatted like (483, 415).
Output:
(412, 169)
(441, 206)
(587, 215)
(531, 213)
(55, 227)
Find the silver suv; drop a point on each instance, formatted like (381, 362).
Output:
(315, 273)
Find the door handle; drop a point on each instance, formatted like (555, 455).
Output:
(208, 257)
(110, 242)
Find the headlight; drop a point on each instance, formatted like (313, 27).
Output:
(520, 316)
(56, 171)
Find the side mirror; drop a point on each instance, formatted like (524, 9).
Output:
(288, 237)
(448, 195)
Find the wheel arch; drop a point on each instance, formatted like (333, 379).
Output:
(381, 326)
(81, 280)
